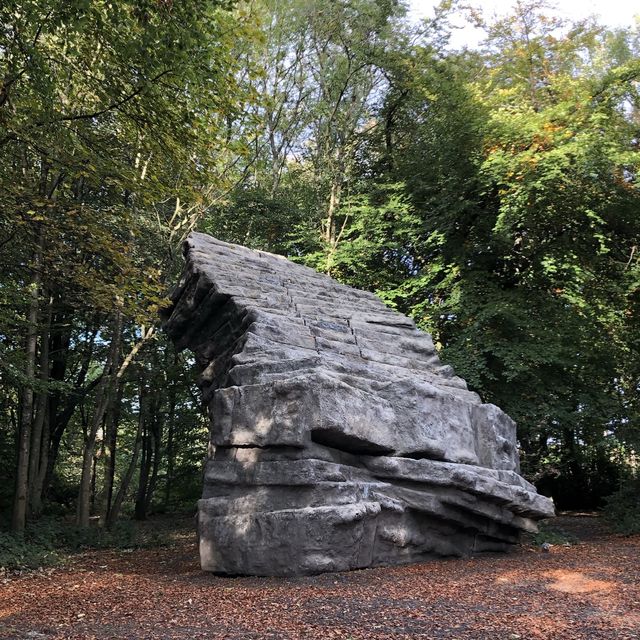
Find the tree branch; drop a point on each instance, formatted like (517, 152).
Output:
(111, 107)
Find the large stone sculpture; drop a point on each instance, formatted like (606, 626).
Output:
(338, 439)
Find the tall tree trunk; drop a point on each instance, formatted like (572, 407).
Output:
(145, 467)
(151, 453)
(38, 485)
(156, 436)
(19, 515)
(126, 480)
(332, 209)
(103, 397)
(330, 230)
(39, 439)
(60, 418)
(171, 431)
(113, 419)
(94, 481)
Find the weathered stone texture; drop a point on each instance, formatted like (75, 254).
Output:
(339, 439)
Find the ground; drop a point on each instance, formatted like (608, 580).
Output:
(589, 590)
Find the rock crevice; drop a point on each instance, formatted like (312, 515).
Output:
(339, 439)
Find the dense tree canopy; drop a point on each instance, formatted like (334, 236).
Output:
(492, 194)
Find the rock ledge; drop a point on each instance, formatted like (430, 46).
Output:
(339, 440)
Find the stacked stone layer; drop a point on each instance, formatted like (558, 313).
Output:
(339, 440)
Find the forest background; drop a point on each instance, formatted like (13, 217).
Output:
(492, 194)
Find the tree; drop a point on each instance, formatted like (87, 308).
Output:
(521, 173)
(319, 76)
(110, 121)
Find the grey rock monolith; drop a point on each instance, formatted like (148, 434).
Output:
(338, 438)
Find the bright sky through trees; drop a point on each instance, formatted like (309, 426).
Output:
(613, 13)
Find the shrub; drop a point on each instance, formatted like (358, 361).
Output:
(551, 534)
(46, 541)
(20, 552)
(622, 508)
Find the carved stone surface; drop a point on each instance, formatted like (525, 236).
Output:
(339, 440)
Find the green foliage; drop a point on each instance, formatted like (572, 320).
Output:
(622, 508)
(492, 195)
(258, 219)
(48, 541)
(494, 199)
(373, 251)
(522, 180)
(112, 144)
(551, 534)
(109, 111)
(17, 552)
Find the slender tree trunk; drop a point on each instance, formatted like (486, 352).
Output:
(84, 494)
(145, 466)
(331, 234)
(38, 442)
(113, 419)
(19, 515)
(94, 479)
(171, 431)
(38, 485)
(103, 397)
(170, 457)
(156, 432)
(332, 209)
(59, 419)
(151, 453)
(126, 481)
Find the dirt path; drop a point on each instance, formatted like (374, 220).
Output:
(590, 591)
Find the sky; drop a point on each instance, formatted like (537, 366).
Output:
(613, 13)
